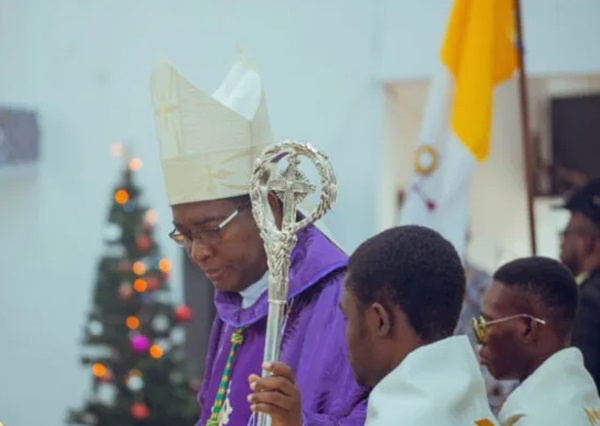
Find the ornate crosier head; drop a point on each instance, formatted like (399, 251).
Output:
(291, 186)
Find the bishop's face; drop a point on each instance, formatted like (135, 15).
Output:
(234, 260)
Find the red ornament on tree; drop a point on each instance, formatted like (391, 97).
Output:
(107, 377)
(125, 291)
(124, 265)
(153, 283)
(139, 411)
(183, 313)
(143, 243)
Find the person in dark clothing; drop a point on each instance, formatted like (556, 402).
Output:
(580, 252)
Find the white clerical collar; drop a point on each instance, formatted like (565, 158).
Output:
(253, 293)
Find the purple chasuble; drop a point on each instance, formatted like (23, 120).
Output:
(313, 344)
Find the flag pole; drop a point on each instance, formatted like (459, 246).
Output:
(525, 132)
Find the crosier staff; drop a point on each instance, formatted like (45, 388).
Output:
(291, 187)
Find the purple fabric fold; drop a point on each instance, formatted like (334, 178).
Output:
(313, 343)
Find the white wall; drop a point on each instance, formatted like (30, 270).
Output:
(561, 37)
(84, 66)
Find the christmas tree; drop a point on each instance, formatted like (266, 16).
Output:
(140, 373)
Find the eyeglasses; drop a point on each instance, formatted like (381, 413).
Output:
(207, 236)
(480, 325)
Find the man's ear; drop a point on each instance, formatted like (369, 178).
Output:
(595, 244)
(276, 207)
(531, 331)
(382, 319)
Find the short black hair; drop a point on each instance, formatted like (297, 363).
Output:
(416, 269)
(547, 281)
(586, 200)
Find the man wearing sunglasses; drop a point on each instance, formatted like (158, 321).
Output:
(580, 252)
(208, 147)
(524, 332)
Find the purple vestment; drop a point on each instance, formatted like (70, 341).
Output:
(313, 344)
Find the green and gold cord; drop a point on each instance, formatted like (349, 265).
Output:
(237, 338)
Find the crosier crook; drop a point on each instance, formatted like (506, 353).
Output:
(291, 187)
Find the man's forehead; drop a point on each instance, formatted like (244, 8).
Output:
(578, 219)
(347, 296)
(201, 211)
(502, 299)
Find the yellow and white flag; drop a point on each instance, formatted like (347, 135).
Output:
(478, 52)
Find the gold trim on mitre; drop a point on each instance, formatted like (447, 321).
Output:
(208, 144)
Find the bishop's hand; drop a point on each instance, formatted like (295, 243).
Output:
(277, 395)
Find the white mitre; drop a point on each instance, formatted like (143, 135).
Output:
(208, 144)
